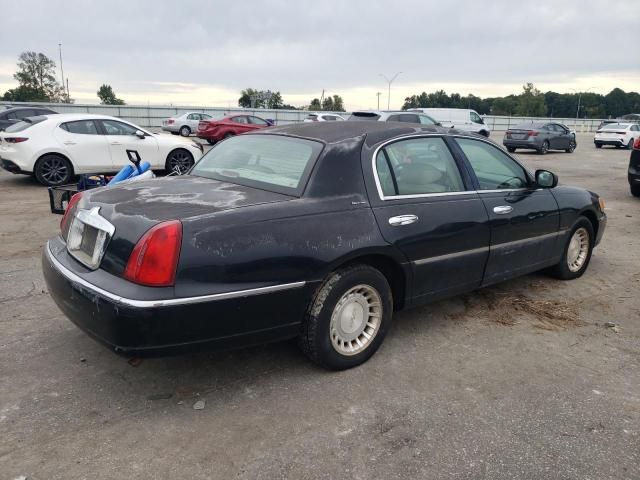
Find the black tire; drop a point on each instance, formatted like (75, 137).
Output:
(211, 141)
(228, 135)
(598, 145)
(179, 161)
(572, 147)
(562, 270)
(174, 133)
(53, 170)
(635, 190)
(316, 338)
(544, 148)
(484, 133)
(630, 144)
(185, 131)
(511, 149)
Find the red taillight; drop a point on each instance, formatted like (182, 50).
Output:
(171, 121)
(154, 259)
(636, 144)
(532, 133)
(72, 203)
(16, 139)
(508, 134)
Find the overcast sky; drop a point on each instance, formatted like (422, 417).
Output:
(204, 52)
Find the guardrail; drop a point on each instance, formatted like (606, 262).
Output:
(151, 116)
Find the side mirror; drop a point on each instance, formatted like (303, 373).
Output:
(546, 179)
(140, 134)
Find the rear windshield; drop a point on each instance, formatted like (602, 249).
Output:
(364, 116)
(615, 126)
(24, 124)
(269, 162)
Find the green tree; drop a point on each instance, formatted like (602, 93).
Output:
(616, 102)
(327, 104)
(252, 98)
(530, 102)
(338, 104)
(107, 96)
(36, 80)
(315, 104)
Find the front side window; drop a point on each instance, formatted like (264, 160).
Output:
(81, 127)
(239, 119)
(205, 116)
(475, 118)
(493, 168)
(113, 127)
(269, 162)
(418, 166)
(257, 121)
(405, 117)
(193, 116)
(426, 120)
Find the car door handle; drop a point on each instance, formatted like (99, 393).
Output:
(116, 143)
(69, 143)
(403, 220)
(502, 209)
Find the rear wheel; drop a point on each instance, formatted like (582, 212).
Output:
(179, 161)
(544, 148)
(598, 145)
(635, 190)
(484, 133)
(185, 131)
(210, 141)
(53, 169)
(511, 149)
(577, 251)
(228, 135)
(348, 318)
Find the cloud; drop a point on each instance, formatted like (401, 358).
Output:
(206, 52)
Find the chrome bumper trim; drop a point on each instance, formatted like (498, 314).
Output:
(72, 277)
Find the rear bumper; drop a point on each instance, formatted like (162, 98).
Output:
(10, 166)
(508, 142)
(155, 327)
(609, 141)
(170, 128)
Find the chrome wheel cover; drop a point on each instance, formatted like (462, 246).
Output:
(578, 249)
(355, 320)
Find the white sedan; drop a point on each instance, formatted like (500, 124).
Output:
(324, 117)
(55, 148)
(186, 124)
(617, 134)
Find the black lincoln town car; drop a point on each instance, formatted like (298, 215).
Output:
(318, 231)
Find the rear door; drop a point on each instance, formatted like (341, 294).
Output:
(87, 149)
(425, 206)
(193, 119)
(122, 137)
(524, 220)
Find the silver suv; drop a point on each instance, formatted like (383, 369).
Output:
(393, 116)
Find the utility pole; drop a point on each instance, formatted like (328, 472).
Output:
(68, 94)
(579, 98)
(378, 95)
(61, 70)
(389, 90)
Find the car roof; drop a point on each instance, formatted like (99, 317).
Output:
(16, 109)
(69, 117)
(332, 132)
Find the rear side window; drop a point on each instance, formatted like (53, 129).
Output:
(417, 166)
(239, 119)
(269, 162)
(82, 127)
(257, 121)
(493, 168)
(404, 117)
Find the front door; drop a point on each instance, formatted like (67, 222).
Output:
(524, 219)
(122, 137)
(424, 208)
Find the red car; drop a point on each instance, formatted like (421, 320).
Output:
(215, 130)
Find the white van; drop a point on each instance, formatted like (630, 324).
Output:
(460, 118)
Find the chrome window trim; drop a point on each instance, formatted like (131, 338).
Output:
(74, 278)
(441, 194)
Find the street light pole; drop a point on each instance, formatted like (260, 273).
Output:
(389, 91)
(61, 70)
(575, 125)
(378, 95)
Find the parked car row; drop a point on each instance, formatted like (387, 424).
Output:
(54, 148)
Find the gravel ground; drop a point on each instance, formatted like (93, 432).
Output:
(522, 380)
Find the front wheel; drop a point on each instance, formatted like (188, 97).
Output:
(185, 131)
(179, 162)
(635, 190)
(572, 147)
(577, 251)
(211, 141)
(598, 145)
(53, 170)
(348, 318)
(511, 149)
(630, 144)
